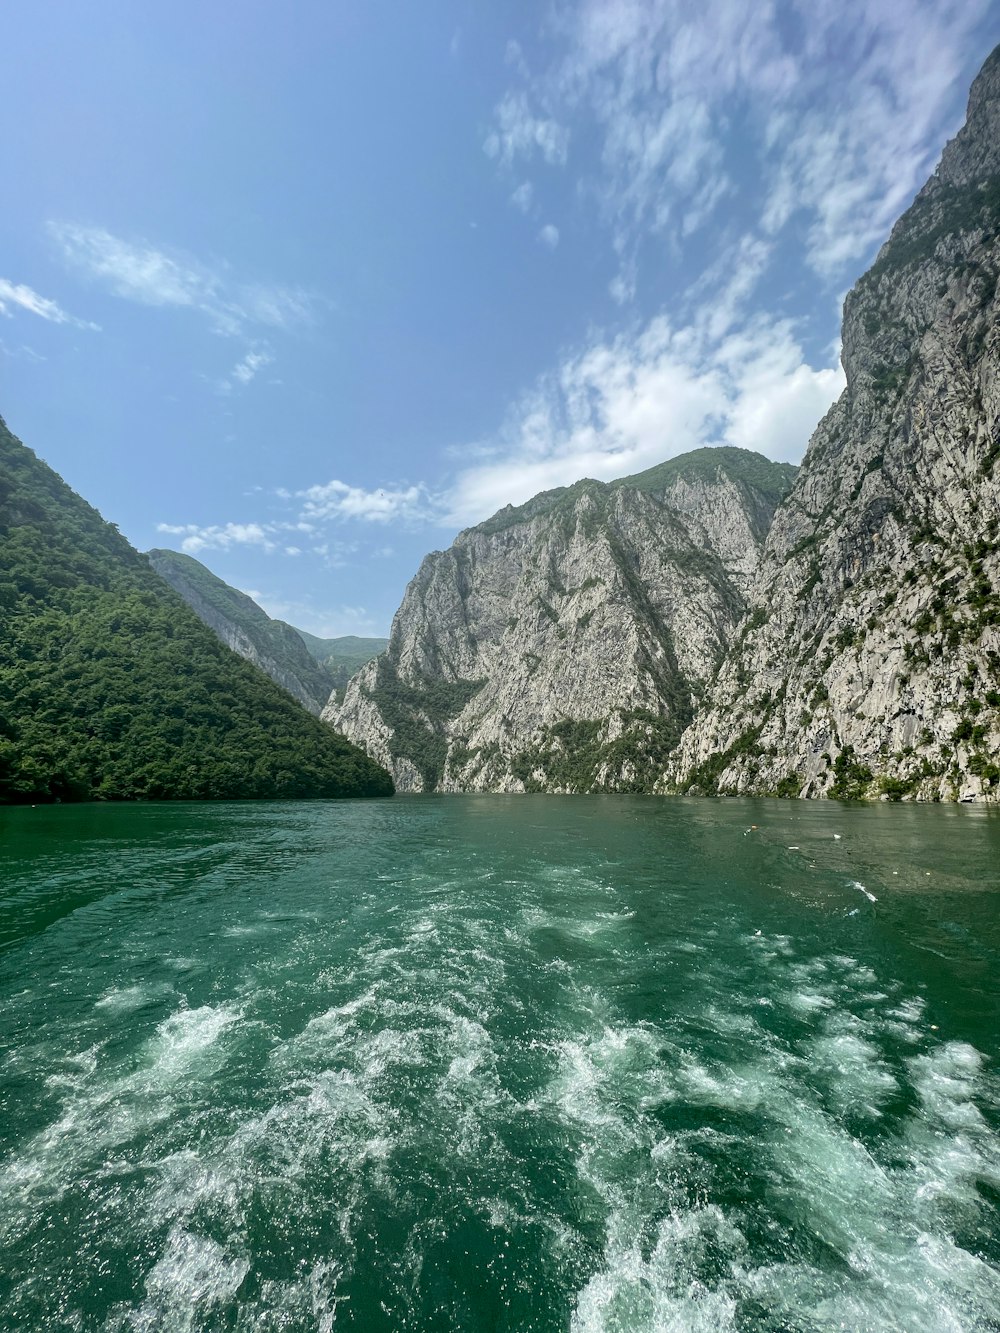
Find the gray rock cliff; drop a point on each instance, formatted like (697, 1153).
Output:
(564, 645)
(869, 661)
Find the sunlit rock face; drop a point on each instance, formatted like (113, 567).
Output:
(564, 645)
(869, 663)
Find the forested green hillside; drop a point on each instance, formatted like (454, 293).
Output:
(111, 688)
(342, 657)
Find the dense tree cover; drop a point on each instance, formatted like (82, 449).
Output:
(571, 756)
(111, 687)
(341, 658)
(418, 715)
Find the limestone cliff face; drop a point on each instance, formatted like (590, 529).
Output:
(246, 628)
(869, 661)
(563, 646)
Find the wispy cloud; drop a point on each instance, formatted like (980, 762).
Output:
(842, 112)
(222, 536)
(25, 298)
(549, 235)
(311, 512)
(519, 133)
(251, 363)
(521, 197)
(246, 370)
(156, 276)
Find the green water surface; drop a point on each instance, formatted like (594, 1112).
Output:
(489, 1063)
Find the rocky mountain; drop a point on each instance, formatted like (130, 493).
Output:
(111, 688)
(243, 626)
(869, 664)
(663, 633)
(564, 645)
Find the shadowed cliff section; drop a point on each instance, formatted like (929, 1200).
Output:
(246, 628)
(111, 688)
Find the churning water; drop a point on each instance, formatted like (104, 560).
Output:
(489, 1063)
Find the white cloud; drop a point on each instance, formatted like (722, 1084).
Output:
(143, 273)
(336, 499)
(24, 298)
(196, 538)
(522, 196)
(719, 297)
(549, 235)
(251, 363)
(520, 133)
(244, 371)
(626, 404)
(135, 272)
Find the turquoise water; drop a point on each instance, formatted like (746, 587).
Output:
(500, 1063)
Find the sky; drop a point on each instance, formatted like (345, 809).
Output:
(303, 289)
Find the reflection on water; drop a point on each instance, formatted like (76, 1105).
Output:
(465, 1063)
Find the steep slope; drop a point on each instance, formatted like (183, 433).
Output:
(563, 645)
(342, 657)
(870, 661)
(110, 687)
(246, 628)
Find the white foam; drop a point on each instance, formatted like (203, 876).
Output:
(193, 1276)
(102, 1115)
(808, 1002)
(664, 1291)
(187, 1040)
(853, 1069)
(128, 999)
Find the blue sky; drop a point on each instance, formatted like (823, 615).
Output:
(303, 289)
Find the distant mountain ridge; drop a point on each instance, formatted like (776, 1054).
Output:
(111, 688)
(343, 656)
(246, 628)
